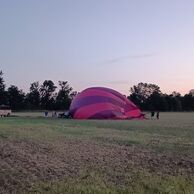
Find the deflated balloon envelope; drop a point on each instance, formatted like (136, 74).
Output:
(103, 103)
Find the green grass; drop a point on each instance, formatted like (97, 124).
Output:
(172, 135)
(141, 183)
(173, 132)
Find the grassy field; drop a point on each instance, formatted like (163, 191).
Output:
(47, 155)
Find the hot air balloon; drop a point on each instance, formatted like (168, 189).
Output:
(103, 103)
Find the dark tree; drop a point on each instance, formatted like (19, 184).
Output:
(156, 102)
(188, 102)
(3, 99)
(33, 97)
(175, 94)
(73, 95)
(176, 101)
(47, 90)
(64, 96)
(16, 98)
(140, 93)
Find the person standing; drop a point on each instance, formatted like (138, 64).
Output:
(158, 115)
(152, 114)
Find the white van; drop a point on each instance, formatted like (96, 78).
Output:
(5, 111)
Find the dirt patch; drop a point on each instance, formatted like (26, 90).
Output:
(24, 162)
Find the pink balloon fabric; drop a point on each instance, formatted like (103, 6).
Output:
(103, 103)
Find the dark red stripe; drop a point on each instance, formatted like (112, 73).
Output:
(88, 111)
(108, 114)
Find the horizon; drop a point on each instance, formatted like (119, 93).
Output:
(56, 84)
(106, 43)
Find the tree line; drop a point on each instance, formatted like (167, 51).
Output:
(43, 96)
(150, 98)
(48, 96)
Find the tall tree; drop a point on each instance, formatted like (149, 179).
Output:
(47, 90)
(64, 96)
(16, 98)
(141, 92)
(3, 99)
(188, 102)
(33, 97)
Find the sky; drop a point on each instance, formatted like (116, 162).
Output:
(110, 43)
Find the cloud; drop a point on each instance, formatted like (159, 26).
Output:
(116, 82)
(121, 59)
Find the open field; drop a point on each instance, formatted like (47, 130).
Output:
(47, 155)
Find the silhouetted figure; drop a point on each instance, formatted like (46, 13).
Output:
(152, 114)
(46, 113)
(158, 115)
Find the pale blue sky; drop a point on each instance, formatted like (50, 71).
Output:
(112, 43)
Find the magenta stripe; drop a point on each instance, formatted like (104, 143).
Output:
(115, 93)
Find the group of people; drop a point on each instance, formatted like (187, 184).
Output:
(153, 114)
(55, 114)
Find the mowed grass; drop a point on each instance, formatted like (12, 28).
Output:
(174, 132)
(158, 142)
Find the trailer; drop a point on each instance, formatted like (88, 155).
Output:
(5, 111)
